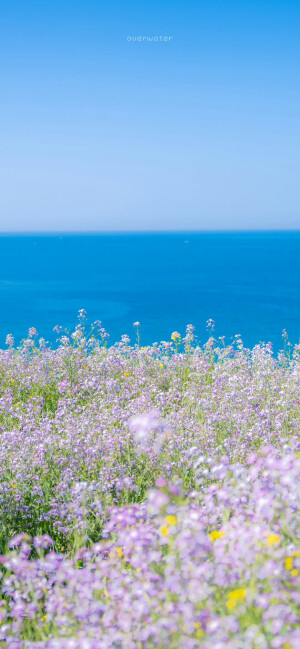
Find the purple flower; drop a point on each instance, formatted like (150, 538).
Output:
(44, 541)
(16, 540)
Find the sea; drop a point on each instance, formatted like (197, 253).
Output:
(248, 283)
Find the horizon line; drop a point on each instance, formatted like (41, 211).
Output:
(140, 232)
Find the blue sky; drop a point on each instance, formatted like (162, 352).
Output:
(99, 132)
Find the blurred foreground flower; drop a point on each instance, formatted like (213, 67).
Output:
(142, 425)
(149, 431)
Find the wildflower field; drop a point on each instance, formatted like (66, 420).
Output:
(149, 495)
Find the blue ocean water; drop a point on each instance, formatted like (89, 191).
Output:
(249, 283)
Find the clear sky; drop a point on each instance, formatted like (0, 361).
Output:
(100, 132)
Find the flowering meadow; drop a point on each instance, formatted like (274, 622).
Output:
(149, 495)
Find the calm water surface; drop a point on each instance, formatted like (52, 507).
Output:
(249, 283)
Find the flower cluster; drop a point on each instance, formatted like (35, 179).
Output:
(149, 497)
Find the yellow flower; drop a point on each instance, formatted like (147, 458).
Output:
(272, 539)
(216, 535)
(12, 484)
(44, 618)
(161, 365)
(235, 597)
(296, 554)
(126, 373)
(198, 630)
(289, 563)
(294, 573)
(117, 552)
(171, 520)
(176, 336)
(164, 530)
